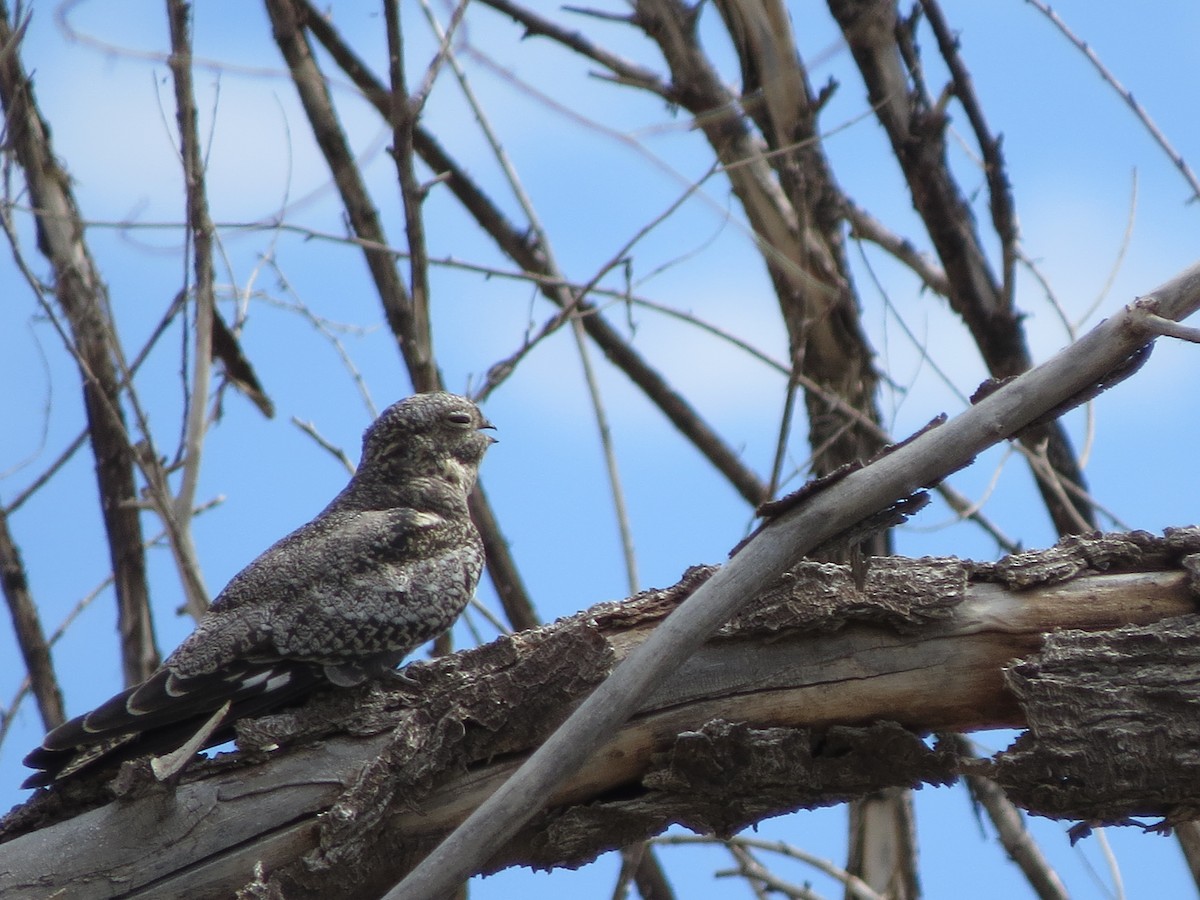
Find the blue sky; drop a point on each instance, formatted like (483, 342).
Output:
(1083, 170)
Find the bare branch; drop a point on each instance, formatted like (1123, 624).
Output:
(6, 716)
(814, 659)
(336, 452)
(623, 70)
(855, 887)
(83, 298)
(200, 233)
(865, 226)
(363, 216)
(1004, 217)
(1127, 95)
(916, 129)
(842, 505)
(1010, 828)
(404, 111)
(27, 627)
(530, 256)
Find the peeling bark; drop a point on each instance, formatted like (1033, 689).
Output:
(1113, 731)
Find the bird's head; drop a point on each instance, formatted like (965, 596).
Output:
(437, 435)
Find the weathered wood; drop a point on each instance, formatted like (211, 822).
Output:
(378, 776)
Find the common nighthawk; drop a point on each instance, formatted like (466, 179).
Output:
(388, 565)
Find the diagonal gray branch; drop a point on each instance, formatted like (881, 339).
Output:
(821, 517)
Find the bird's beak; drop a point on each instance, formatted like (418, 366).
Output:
(488, 426)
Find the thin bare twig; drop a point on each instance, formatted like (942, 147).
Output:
(1119, 259)
(324, 443)
(514, 242)
(502, 569)
(865, 226)
(200, 236)
(6, 715)
(628, 72)
(1127, 95)
(1004, 216)
(360, 210)
(1009, 823)
(915, 124)
(785, 430)
(739, 854)
(61, 460)
(417, 339)
(854, 886)
(326, 328)
(567, 302)
(445, 36)
(752, 870)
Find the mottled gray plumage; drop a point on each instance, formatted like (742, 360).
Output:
(388, 565)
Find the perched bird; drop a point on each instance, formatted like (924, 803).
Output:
(388, 565)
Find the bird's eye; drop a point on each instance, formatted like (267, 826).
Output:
(459, 418)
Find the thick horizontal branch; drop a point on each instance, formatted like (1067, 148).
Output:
(836, 679)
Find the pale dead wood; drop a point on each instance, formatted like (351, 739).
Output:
(883, 842)
(201, 232)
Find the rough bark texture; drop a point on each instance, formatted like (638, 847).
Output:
(772, 715)
(1112, 726)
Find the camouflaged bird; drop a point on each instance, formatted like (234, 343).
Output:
(387, 566)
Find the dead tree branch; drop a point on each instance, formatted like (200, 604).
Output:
(27, 627)
(200, 231)
(834, 684)
(916, 126)
(83, 298)
(527, 252)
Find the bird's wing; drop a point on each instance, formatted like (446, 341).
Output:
(269, 638)
(159, 715)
